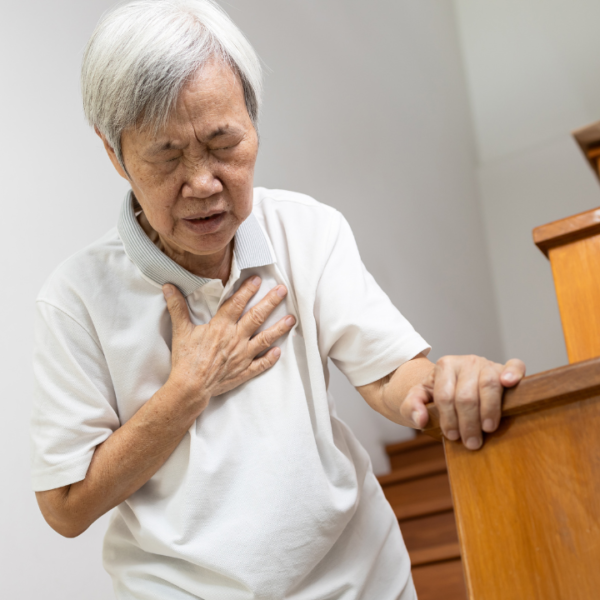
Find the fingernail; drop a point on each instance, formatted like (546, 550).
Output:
(453, 435)
(415, 417)
(509, 377)
(276, 352)
(281, 291)
(167, 291)
(488, 425)
(290, 321)
(256, 280)
(473, 443)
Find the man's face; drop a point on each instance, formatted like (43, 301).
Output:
(194, 179)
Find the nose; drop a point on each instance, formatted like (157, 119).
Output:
(201, 182)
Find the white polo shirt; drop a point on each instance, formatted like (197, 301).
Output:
(269, 495)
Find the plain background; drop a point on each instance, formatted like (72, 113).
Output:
(440, 129)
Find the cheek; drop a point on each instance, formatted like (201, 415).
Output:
(157, 197)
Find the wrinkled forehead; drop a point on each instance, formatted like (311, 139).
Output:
(210, 105)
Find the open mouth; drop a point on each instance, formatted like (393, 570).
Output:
(208, 224)
(204, 219)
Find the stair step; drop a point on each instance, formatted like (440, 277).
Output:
(418, 470)
(420, 449)
(426, 532)
(440, 581)
(420, 497)
(419, 441)
(426, 556)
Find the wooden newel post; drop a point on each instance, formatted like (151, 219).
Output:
(573, 247)
(527, 504)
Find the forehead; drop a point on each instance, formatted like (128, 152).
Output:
(215, 91)
(211, 104)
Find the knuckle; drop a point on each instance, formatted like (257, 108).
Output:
(255, 317)
(444, 361)
(444, 401)
(471, 360)
(238, 301)
(489, 380)
(262, 339)
(466, 400)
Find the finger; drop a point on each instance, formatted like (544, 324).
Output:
(261, 364)
(513, 372)
(467, 402)
(234, 307)
(413, 408)
(258, 314)
(443, 395)
(490, 397)
(177, 307)
(268, 337)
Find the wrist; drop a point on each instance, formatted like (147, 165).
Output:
(186, 395)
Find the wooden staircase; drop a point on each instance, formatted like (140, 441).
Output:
(419, 492)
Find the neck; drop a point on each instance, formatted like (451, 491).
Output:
(211, 266)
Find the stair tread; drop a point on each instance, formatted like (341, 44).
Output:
(428, 531)
(419, 441)
(414, 471)
(422, 508)
(425, 556)
(440, 580)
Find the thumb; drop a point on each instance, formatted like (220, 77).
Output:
(177, 307)
(413, 408)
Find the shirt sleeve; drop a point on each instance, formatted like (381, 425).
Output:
(359, 328)
(74, 407)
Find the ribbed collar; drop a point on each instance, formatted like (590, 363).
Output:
(251, 249)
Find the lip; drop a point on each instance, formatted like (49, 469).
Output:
(203, 215)
(205, 223)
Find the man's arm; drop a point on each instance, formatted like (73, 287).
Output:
(466, 389)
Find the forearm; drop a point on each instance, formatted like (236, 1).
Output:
(387, 395)
(124, 462)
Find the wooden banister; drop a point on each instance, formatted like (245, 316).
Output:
(563, 385)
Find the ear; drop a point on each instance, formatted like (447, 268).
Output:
(112, 155)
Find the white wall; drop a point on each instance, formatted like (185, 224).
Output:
(533, 72)
(366, 110)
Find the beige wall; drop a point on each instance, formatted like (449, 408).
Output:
(533, 71)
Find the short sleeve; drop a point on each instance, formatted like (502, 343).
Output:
(74, 408)
(358, 326)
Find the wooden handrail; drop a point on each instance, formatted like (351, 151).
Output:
(550, 388)
(565, 231)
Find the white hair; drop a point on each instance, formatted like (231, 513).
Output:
(142, 54)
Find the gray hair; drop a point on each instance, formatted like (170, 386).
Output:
(143, 53)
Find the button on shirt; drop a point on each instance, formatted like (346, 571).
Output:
(269, 495)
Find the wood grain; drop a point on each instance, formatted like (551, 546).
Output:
(576, 270)
(441, 581)
(588, 139)
(566, 231)
(527, 506)
(542, 390)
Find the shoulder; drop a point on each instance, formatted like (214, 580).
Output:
(303, 219)
(84, 274)
(288, 205)
(302, 231)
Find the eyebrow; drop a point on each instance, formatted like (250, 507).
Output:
(163, 147)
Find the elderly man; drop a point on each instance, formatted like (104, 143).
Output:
(181, 360)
